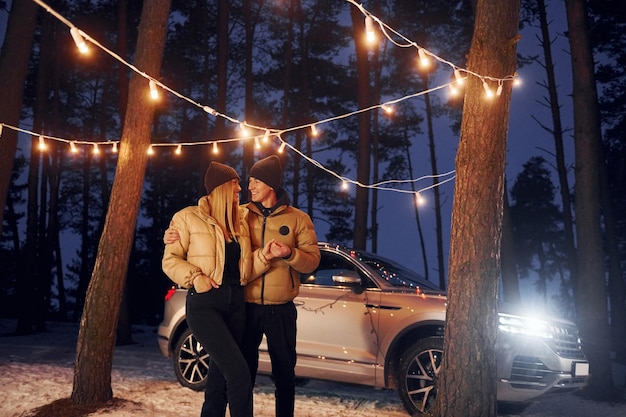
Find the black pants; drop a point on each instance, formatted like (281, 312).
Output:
(278, 323)
(217, 320)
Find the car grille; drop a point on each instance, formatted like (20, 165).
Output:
(528, 372)
(565, 341)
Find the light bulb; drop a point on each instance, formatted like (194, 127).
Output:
(458, 77)
(423, 58)
(314, 131)
(370, 35)
(73, 148)
(281, 148)
(154, 93)
(96, 150)
(215, 150)
(488, 91)
(42, 144)
(150, 150)
(387, 108)
(114, 147)
(79, 40)
(179, 149)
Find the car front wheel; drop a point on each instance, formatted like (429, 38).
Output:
(417, 375)
(191, 362)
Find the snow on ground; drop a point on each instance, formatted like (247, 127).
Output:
(38, 369)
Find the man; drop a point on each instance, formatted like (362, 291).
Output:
(270, 310)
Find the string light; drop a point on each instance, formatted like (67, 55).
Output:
(96, 150)
(488, 92)
(42, 144)
(344, 185)
(150, 150)
(73, 147)
(243, 129)
(1, 127)
(370, 35)
(179, 149)
(281, 148)
(419, 200)
(499, 90)
(424, 61)
(79, 40)
(257, 144)
(458, 77)
(314, 131)
(215, 150)
(154, 93)
(387, 108)
(114, 149)
(266, 136)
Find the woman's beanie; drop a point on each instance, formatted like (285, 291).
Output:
(269, 171)
(218, 174)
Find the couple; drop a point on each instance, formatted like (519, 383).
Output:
(242, 267)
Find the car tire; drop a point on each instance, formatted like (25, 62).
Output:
(417, 375)
(191, 362)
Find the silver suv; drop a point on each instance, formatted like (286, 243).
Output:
(366, 320)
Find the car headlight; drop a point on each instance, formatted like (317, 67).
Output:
(524, 326)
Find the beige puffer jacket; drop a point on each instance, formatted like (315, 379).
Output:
(281, 283)
(200, 249)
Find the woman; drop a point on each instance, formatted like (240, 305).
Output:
(214, 260)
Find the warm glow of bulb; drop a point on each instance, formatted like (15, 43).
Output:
(257, 143)
(215, 149)
(423, 58)
(179, 149)
(314, 131)
(266, 136)
(96, 150)
(114, 147)
(387, 108)
(79, 40)
(42, 144)
(73, 147)
(453, 90)
(154, 93)
(244, 130)
(344, 185)
(458, 77)
(488, 92)
(281, 148)
(419, 200)
(370, 35)
(150, 150)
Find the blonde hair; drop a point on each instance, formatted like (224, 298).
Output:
(225, 210)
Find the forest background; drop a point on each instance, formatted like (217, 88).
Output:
(294, 66)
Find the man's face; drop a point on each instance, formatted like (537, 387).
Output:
(260, 192)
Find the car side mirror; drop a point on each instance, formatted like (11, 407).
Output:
(350, 278)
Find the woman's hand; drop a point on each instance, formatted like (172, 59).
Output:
(170, 236)
(202, 283)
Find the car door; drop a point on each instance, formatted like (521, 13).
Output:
(336, 329)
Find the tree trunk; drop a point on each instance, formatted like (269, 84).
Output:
(592, 307)
(557, 132)
(96, 338)
(364, 152)
(510, 279)
(14, 56)
(467, 381)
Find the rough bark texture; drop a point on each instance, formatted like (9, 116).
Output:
(96, 338)
(467, 383)
(592, 296)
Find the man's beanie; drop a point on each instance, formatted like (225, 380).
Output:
(218, 174)
(269, 171)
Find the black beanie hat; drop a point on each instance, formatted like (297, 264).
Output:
(269, 171)
(218, 174)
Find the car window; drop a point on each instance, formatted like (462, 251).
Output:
(331, 264)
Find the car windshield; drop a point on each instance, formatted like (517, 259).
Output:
(394, 273)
